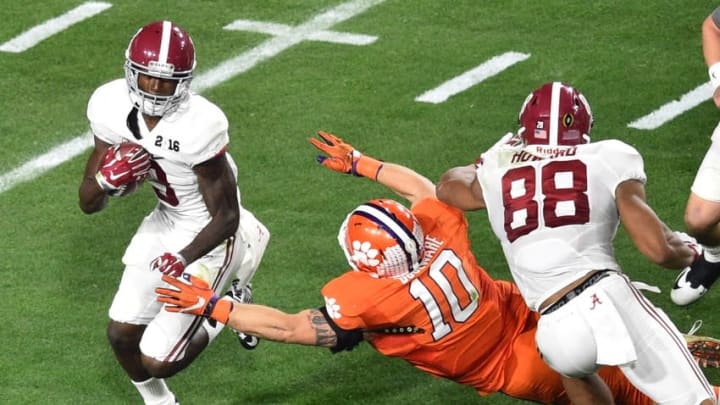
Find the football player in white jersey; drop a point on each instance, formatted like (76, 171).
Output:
(702, 213)
(555, 202)
(198, 226)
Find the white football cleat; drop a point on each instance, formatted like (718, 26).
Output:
(694, 281)
(683, 293)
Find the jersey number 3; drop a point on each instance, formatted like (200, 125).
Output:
(161, 186)
(561, 187)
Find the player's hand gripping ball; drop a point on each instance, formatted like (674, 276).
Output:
(123, 169)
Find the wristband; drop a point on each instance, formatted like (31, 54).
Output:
(219, 309)
(714, 73)
(366, 166)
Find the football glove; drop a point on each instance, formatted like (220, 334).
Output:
(342, 157)
(192, 295)
(169, 263)
(123, 164)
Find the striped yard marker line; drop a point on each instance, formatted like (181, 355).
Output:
(41, 32)
(674, 108)
(284, 30)
(281, 42)
(215, 76)
(472, 77)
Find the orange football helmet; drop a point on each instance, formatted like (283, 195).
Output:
(382, 237)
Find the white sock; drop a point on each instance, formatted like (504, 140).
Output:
(711, 253)
(154, 391)
(212, 331)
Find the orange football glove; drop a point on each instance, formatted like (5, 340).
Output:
(192, 295)
(342, 157)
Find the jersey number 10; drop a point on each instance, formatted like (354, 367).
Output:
(419, 291)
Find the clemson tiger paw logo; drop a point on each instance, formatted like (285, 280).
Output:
(363, 253)
(333, 309)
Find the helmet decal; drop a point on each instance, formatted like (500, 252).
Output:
(364, 253)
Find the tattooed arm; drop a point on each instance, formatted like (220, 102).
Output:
(309, 327)
(312, 327)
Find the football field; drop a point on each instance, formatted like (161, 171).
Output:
(426, 83)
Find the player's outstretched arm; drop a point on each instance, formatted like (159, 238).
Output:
(342, 157)
(192, 295)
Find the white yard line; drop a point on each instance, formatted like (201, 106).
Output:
(45, 162)
(41, 32)
(215, 76)
(279, 30)
(472, 77)
(674, 108)
(282, 42)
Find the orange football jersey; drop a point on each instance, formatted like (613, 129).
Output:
(469, 321)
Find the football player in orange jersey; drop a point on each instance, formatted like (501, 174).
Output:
(415, 292)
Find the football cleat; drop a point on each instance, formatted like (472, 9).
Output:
(243, 295)
(705, 350)
(694, 281)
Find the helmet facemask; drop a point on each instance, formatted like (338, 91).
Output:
(152, 104)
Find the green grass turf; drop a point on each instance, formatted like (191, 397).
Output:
(59, 268)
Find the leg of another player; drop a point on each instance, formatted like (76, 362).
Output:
(590, 390)
(702, 220)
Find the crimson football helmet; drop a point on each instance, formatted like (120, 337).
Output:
(556, 114)
(160, 49)
(383, 238)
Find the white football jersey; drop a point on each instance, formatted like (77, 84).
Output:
(194, 133)
(554, 212)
